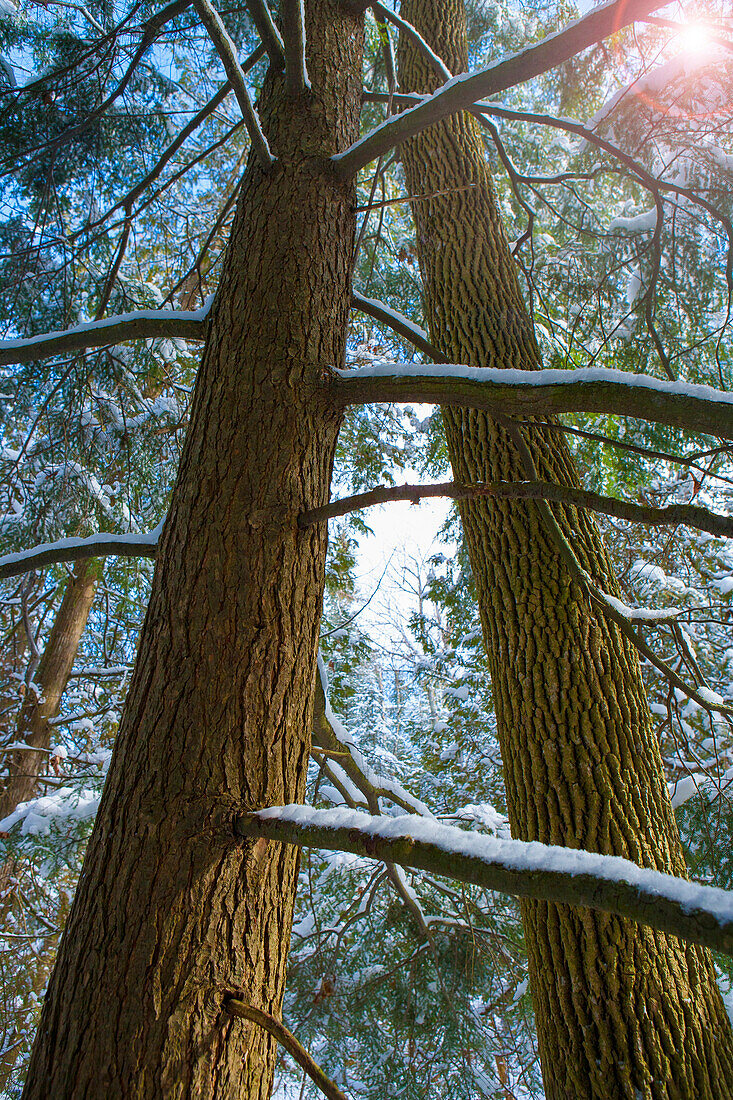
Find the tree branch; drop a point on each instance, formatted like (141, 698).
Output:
(268, 32)
(699, 914)
(540, 393)
(462, 91)
(227, 52)
(293, 20)
(689, 515)
(400, 324)
(438, 66)
(298, 1053)
(143, 324)
(96, 546)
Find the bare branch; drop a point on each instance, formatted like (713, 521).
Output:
(268, 32)
(285, 1038)
(144, 324)
(293, 20)
(400, 324)
(96, 546)
(690, 515)
(691, 407)
(462, 91)
(227, 52)
(699, 914)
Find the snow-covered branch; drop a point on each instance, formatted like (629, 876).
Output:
(400, 324)
(684, 405)
(227, 52)
(143, 545)
(700, 914)
(436, 63)
(143, 324)
(466, 89)
(689, 515)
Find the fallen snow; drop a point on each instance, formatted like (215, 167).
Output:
(66, 804)
(642, 614)
(646, 222)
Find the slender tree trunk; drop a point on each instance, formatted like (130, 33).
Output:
(621, 1011)
(172, 914)
(49, 683)
(19, 784)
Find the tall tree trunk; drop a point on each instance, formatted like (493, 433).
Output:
(49, 683)
(621, 1011)
(172, 914)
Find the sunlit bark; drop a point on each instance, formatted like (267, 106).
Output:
(172, 914)
(621, 1011)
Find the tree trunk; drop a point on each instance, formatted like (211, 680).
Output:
(172, 913)
(49, 683)
(621, 1011)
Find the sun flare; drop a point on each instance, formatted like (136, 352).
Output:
(696, 39)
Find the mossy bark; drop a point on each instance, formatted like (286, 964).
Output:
(621, 1011)
(172, 913)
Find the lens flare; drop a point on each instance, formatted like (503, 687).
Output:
(696, 40)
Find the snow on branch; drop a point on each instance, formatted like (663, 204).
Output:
(143, 545)
(466, 89)
(690, 515)
(400, 324)
(143, 324)
(700, 914)
(436, 63)
(692, 407)
(227, 52)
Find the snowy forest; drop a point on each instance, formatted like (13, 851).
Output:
(276, 820)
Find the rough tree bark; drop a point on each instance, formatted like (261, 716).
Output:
(621, 1011)
(172, 913)
(49, 683)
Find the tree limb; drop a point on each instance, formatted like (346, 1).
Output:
(227, 52)
(298, 1053)
(400, 324)
(143, 324)
(540, 393)
(464, 90)
(96, 546)
(268, 32)
(690, 515)
(293, 20)
(699, 914)
(438, 66)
